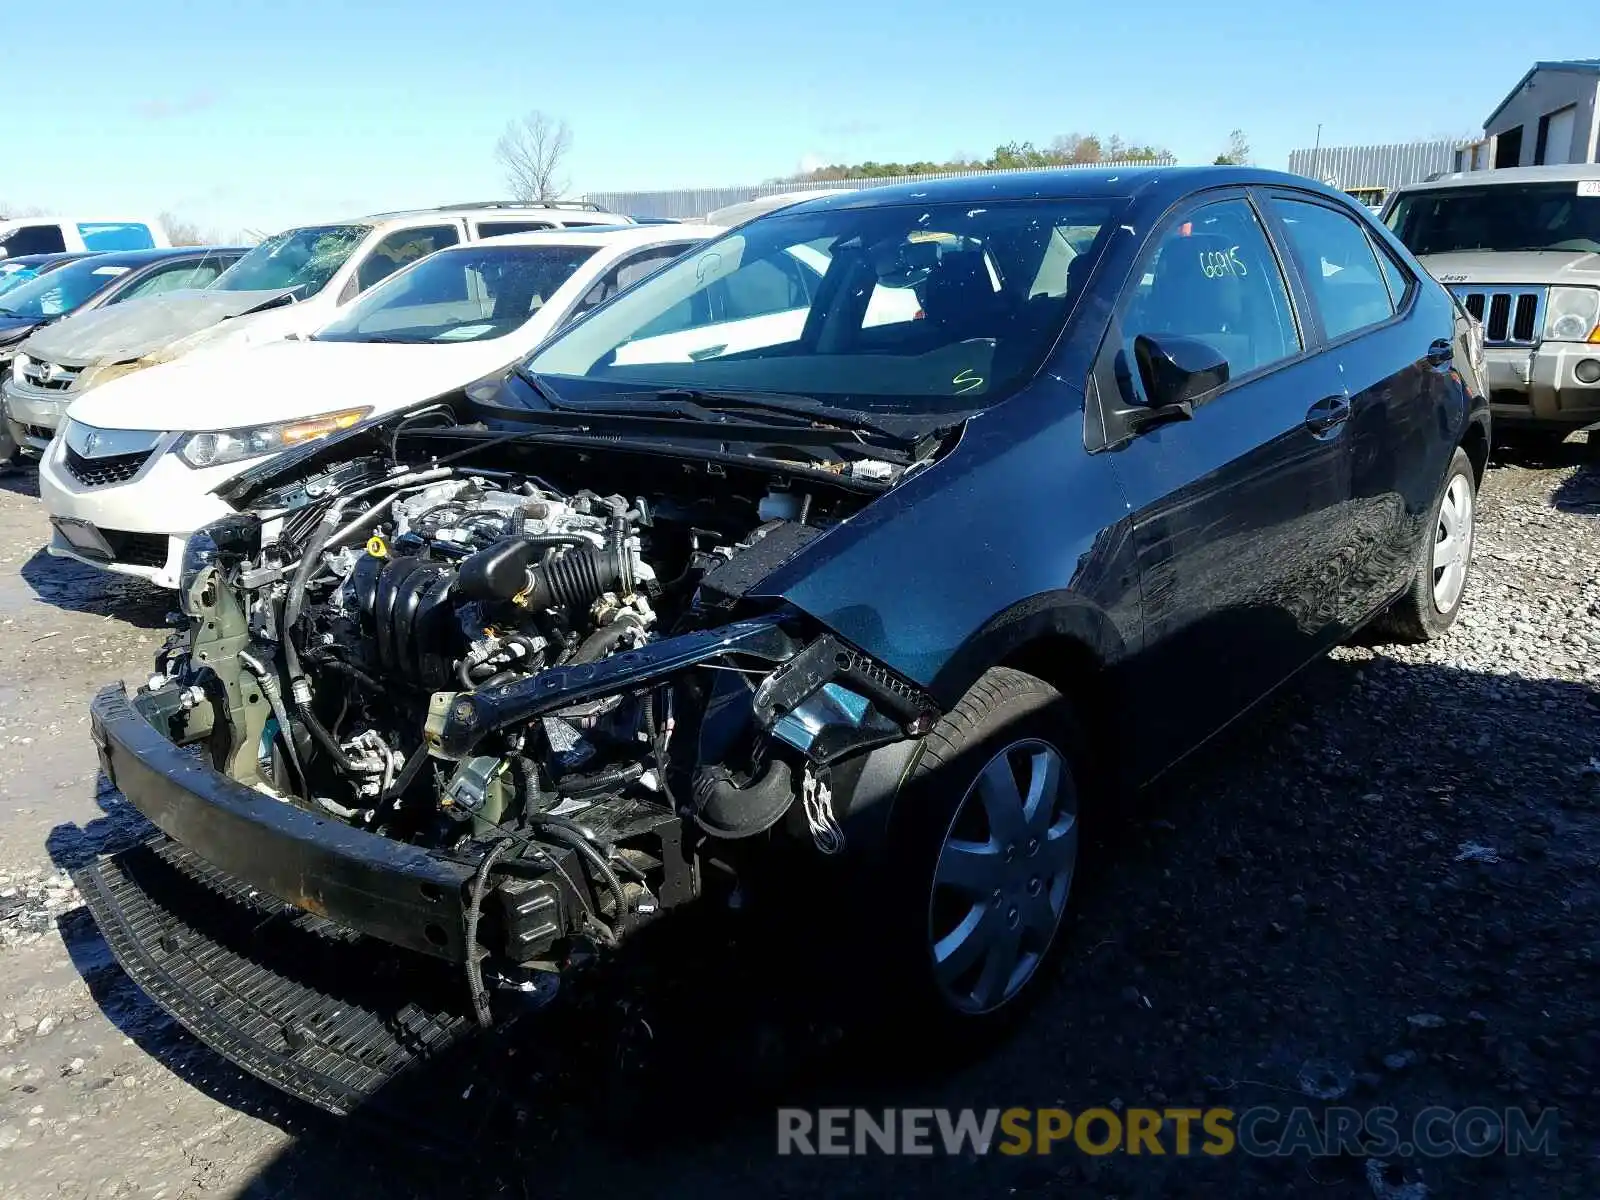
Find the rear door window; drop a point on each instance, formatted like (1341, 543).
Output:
(1338, 264)
(627, 273)
(1399, 280)
(402, 247)
(769, 285)
(116, 235)
(173, 278)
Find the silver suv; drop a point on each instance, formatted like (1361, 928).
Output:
(1520, 248)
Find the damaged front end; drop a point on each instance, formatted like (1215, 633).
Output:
(497, 718)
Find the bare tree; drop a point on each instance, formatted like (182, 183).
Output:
(531, 152)
(18, 210)
(1238, 152)
(181, 232)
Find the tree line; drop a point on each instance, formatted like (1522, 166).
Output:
(1065, 150)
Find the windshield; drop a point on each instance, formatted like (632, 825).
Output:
(14, 275)
(1521, 216)
(460, 295)
(59, 291)
(903, 307)
(303, 259)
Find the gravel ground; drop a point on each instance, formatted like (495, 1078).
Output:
(1384, 891)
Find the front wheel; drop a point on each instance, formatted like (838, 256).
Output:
(984, 848)
(1432, 602)
(10, 452)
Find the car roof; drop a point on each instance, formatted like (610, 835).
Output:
(1141, 183)
(139, 258)
(511, 210)
(1499, 176)
(45, 260)
(610, 235)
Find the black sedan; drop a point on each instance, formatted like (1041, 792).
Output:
(14, 272)
(881, 539)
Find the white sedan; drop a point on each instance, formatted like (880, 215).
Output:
(132, 473)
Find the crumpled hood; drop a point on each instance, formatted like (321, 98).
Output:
(226, 388)
(1577, 267)
(134, 328)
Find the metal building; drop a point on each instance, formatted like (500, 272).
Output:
(1550, 117)
(1358, 168)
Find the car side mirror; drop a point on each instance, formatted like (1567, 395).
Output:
(1177, 373)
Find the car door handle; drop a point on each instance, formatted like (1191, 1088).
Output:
(1327, 416)
(1441, 352)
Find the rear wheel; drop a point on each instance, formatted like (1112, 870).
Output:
(984, 849)
(1432, 602)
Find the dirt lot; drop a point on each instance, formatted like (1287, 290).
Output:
(1386, 890)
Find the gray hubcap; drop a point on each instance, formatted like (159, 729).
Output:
(1003, 875)
(1452, 544)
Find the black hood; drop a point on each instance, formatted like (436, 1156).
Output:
(14, 329)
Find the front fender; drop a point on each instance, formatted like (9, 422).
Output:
(1050, 616)
(1018, 532)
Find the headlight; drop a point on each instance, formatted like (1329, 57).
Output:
(1475, 345)
(1572, 314)
(19, 363)
(218, 447)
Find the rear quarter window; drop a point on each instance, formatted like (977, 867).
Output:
(113, 235)
(488, 229)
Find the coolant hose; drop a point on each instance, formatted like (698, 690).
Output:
(603, 640)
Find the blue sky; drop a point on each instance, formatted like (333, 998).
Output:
(303, 111)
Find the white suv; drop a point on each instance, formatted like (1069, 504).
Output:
(291, 283)
(134, 470)
(55, 235)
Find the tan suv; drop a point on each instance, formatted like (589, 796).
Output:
(1520, 249)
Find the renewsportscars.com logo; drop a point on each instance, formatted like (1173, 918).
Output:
(1262, 1132)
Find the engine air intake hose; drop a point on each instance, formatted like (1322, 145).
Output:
(572, 580)
(728, 810)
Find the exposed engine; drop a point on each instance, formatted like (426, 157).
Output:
(567, 681)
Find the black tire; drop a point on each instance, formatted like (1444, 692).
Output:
(1004, 710)
(1541, 445)
(1418, 615)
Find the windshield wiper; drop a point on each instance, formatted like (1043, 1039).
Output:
(713, 407)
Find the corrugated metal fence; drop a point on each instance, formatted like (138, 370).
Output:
(1375, 166)
(697, 202)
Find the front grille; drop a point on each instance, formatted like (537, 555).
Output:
(1510, 316)
(1507, 396)
(102, 472)
(49, 377)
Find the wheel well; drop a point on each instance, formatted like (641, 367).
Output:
(1075, 671)
(1476, 443)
